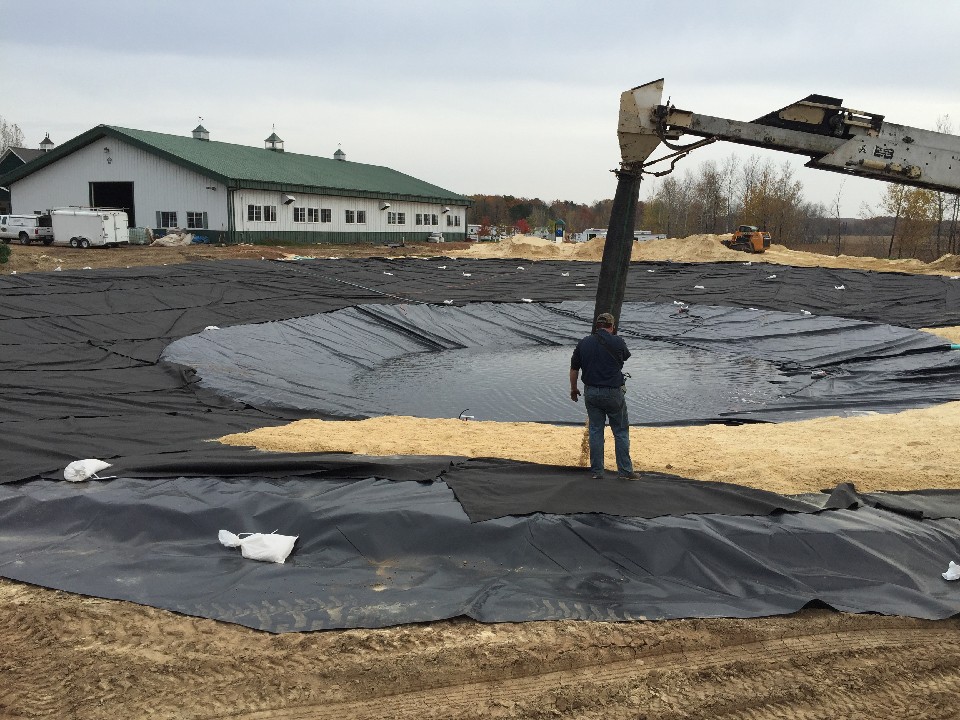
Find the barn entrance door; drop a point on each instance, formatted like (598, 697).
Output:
(117, 195)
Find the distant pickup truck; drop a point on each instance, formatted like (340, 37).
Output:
(26, 229)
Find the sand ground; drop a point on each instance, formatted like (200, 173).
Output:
(63, 655)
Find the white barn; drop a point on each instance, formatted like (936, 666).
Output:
(235, 193)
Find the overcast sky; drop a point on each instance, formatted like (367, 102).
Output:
(514, 97)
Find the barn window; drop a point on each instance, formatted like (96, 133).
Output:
(456, 221)
(299, 214)
(196, 219)
(401, 218)
(326, 215)
(349, 215)
(391, 218)
(254, 213)
(270, 213)
(419, 219)
(361, 216)
(168, 219)
(434, 220)
(313, 215)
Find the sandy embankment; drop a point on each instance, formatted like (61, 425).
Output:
(697, 248)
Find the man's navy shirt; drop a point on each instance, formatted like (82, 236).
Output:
(600, 366)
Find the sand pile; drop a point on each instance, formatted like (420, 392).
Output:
(798, 457)
(527, 247)
(946, 265)
(947, 262)
(696, 248)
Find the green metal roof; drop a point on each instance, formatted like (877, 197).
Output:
(242, 166)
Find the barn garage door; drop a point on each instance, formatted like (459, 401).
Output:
(114, 195)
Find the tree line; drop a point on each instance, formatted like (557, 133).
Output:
(526, 214)
(716, 197)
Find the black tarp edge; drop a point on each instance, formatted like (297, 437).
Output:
(373, 553)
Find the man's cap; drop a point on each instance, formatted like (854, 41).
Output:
(606, 320)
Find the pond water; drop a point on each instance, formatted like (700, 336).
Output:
(668, 384)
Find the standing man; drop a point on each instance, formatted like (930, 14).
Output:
(600, 356)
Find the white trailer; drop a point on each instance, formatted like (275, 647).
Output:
(89, 227)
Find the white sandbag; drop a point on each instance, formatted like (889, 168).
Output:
(267, 547)
(80, 470)
(953, 572)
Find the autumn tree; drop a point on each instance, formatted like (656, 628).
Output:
(10, 135)
(946, 207)
(772, 198)
(520, 210)
(666, 211)
(491, 208)
(836, 211)
(913, 211)
(919, 218)
(953, 232)
(502, 210)
(712, 197)
(892, 203)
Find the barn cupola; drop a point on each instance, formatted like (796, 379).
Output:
(46, 144)
(273, 143)
(340, 155)
(201, 133)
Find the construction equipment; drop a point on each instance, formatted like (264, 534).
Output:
(835, 138)
(748, 238)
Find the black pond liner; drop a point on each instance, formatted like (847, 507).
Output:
(509, 362)
(81, 376)
(373, 553)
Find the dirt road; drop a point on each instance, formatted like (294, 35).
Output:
(67, 656)
(33, 258)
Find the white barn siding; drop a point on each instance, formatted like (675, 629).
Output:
(376, 219)
(157, 184)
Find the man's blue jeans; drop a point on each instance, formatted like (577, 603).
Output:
(603, 403)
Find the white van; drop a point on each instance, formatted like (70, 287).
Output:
(90, 227)
(26, 229)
